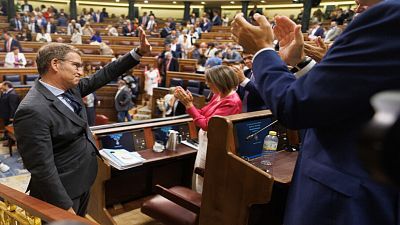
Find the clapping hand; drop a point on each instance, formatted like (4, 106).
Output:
(184, 96)
(239, 73)
(145, 47)
(316, 52)
(252, 38)
(291, 41)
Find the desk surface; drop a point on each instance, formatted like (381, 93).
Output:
(283, 166)
(151, 156)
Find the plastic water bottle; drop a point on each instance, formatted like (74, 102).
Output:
(269, 150)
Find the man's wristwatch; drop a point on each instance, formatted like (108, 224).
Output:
(137, 51)
(301, 65)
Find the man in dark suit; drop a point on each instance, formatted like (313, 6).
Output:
(128, 29)
(26, 7)
(10, 42)
(51, 127)
(9, 101)
(143, 20)
(123, 102)
(168, 63)
(216, 20)
(16, 23)
(332, 102)
(247, 90)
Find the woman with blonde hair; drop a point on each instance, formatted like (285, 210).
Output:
(222, 81)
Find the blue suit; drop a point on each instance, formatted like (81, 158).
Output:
(332, 101)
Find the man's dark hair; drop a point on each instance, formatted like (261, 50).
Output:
(52, 51)
(8, 84)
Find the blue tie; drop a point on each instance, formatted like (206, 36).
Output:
(70, 99)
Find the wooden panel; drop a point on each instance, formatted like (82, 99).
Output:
(183, 76)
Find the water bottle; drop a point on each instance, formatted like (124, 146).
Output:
(269, 150)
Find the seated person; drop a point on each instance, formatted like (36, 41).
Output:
(170, 106)
(15, 59)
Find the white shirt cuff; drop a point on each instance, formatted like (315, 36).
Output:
(305, 70)
(261, 50)
(135, 55)
(245, 82)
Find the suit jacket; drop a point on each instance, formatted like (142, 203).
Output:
(13, 43)
(56, 144)
(125, 30)
(29, 6)
(253, 99)
(13, 24)
(332, 101)
(173, 66)
(8, 104)
(123, 100)
(216, 21)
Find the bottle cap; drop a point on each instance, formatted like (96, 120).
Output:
(272, 133)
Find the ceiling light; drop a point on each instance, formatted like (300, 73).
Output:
(232, 2)
(203, 3)
(116, 0)
(174, 2)
(262, 1)
(146, 1)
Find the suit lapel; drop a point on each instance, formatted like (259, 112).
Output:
(59, 105)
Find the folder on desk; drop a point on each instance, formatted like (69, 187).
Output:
(122, 159)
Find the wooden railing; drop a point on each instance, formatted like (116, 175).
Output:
(19, 208)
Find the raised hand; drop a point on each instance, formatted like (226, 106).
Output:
(184, 97)
(291, 41)
(252, 38)
(145, 47)
(316, 52)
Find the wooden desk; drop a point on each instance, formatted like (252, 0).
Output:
(169, 168)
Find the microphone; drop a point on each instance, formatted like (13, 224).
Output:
(254, 135)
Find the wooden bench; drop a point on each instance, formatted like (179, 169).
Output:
(221, 29)
(187, 65)
(184, 76)
(217, 35)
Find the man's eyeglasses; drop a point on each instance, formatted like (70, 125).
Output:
(78, 66)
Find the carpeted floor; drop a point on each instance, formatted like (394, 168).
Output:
(134, 217)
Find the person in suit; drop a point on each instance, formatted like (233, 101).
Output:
(333, 32)
(247, 89)
(332, 103)
(33, 26)
(206, 25)
(16, 23)
(9, 102)
(123, 102)
(216, 20)
(168, 63)
(143, 20)
(10, 42)
(317, 31)
(51, 27)
(26, 7)
(51, 128)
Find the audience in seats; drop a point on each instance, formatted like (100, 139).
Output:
(76, 37)
(123, 102)
(15, 59)
(43, 36)
(214, 60)
(96, 38)
(71, 27)
(222, 81)
(333, 32)
(128, 29)
(316, 31)
(231, 56)
(112, 30)
(87, 30)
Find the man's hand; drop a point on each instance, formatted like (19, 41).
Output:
(291, 41)
(145, 47)
(239, 73)
(316, 52)
(252, 38)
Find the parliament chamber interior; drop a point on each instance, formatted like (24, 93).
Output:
(200, 131)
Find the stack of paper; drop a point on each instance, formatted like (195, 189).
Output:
(121, 159)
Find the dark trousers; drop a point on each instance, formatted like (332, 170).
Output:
(80, 204)
(6, 122)
(122, 115)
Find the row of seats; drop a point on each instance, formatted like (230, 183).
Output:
(16, 79)
(194, 86)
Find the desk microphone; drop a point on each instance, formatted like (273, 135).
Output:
(254, 135)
